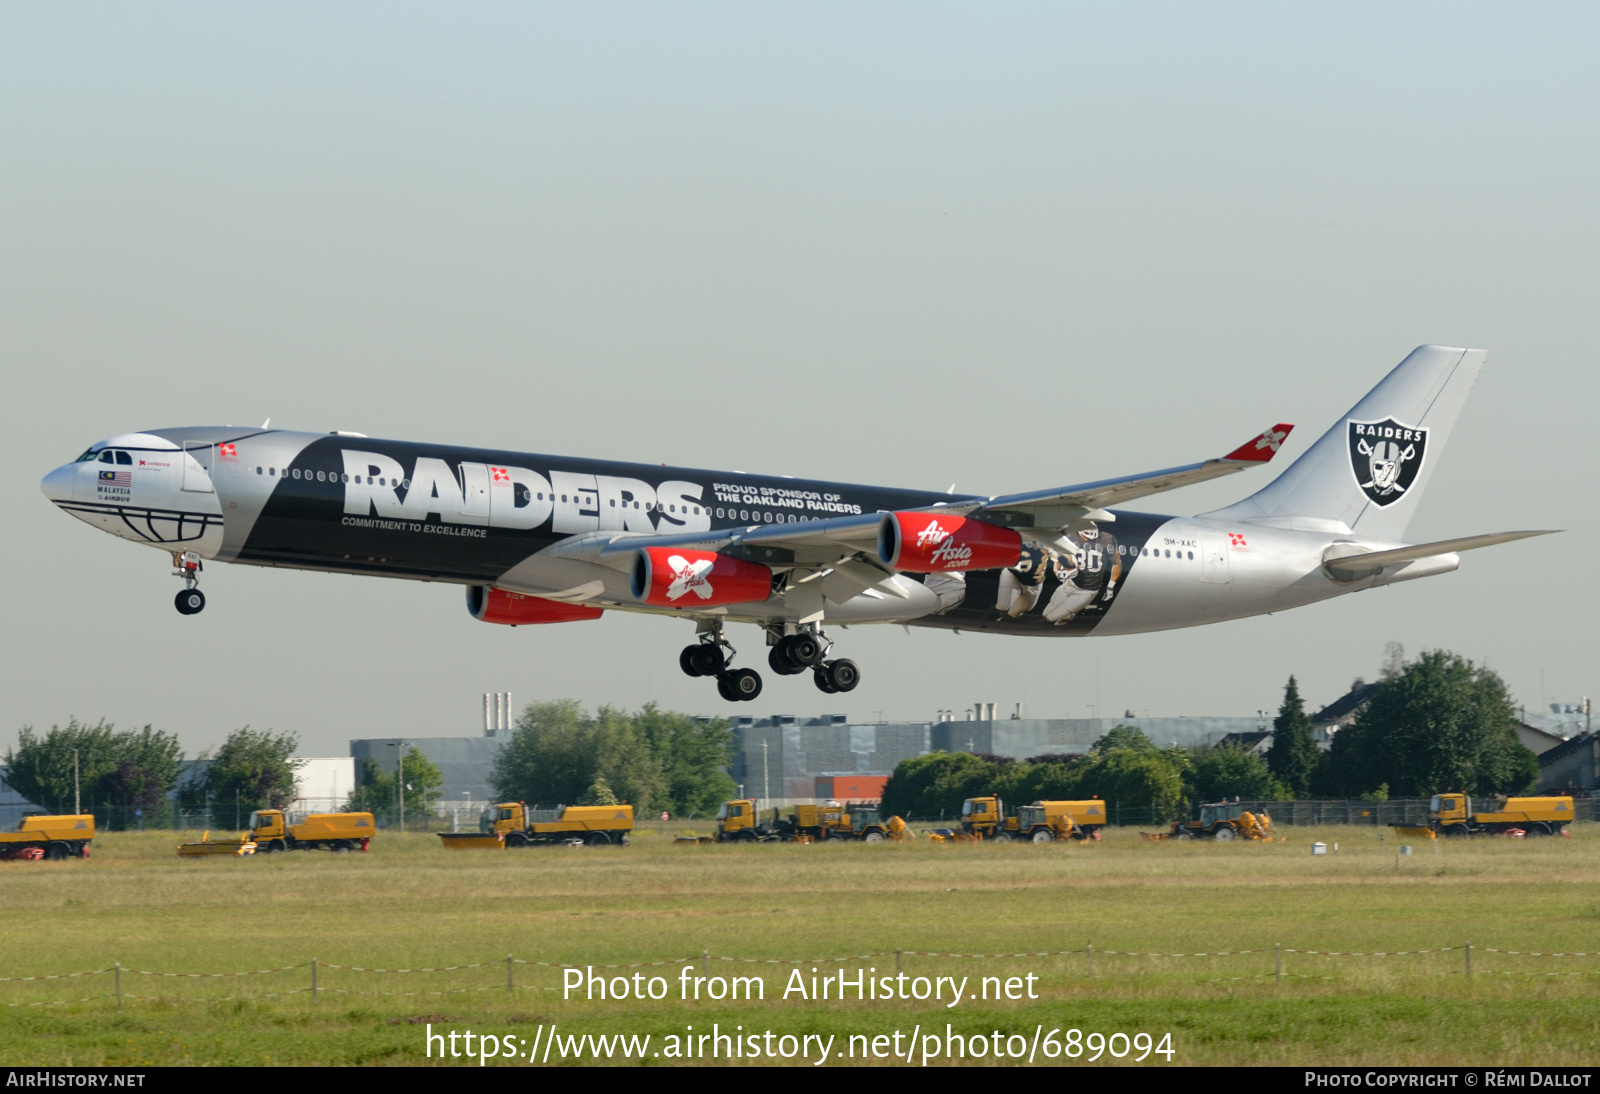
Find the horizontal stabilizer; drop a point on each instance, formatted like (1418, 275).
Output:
(1373, 561)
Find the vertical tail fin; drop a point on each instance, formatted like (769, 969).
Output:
(1368, 472)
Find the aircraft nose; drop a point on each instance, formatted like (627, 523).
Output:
(57, 485)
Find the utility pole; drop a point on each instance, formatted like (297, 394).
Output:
(400, 751)
(77, 801)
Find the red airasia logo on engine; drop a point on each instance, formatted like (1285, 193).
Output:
(493, 605)
(671, 577)
(936, 543)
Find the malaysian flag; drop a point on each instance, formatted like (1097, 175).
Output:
(116, 478)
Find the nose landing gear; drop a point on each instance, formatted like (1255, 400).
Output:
(191, 601)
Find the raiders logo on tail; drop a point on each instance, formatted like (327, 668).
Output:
(1385, 457)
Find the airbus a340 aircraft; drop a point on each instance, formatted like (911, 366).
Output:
(544, 539)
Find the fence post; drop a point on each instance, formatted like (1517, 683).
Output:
(510, 984)
(1469, 960)
(119, 985)
(1277, 952)
(1090, 951)
(313, 979)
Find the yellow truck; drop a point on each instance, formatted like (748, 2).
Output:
(513, 824)
(1041, 822)
(270, 833)
(739, 822)
(46, 837)
(1453, 815)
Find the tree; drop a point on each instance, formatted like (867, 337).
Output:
(1123, 737)
(693, 753)
(934, 785)
(378, 791)
(1294, 755)
(1218, 773)
(1441, 723)
(146, 771)
(653, 759)
(254, 768)
(1138, 779)
(131, 769)
(41, 769)
(599, 793)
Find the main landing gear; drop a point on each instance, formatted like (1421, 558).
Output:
(795, 653)
(707, 658)
(191, 601)
(790, 655)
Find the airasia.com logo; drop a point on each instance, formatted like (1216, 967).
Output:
(689, 577)
(946, 551)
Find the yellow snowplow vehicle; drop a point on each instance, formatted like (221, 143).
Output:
(1453, 815)
(1223, 822)
(513, 824)
(49, 837)
(269, 833)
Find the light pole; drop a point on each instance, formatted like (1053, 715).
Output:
(766, 783)
(400, 753)
(77, 801)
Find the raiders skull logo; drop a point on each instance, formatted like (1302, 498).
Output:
(1385, 458)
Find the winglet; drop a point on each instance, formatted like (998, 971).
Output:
(1263, 447)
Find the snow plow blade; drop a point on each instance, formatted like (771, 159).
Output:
(466, 841)
(209, 846)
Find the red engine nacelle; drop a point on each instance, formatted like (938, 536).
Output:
(494, 605)
(934, 543)
(671, 577)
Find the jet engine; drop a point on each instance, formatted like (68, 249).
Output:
(671, 577)
(936, 543)
(494, 605)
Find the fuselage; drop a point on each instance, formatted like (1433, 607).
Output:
(502, 519)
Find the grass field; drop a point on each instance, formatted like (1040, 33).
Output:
(410, 904)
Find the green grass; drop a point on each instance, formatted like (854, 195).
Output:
(411, 904)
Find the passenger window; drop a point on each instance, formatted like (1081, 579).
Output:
(272, 471)
(259, 471)
(123, 457)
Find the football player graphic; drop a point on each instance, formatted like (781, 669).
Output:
(1090, 571)
(1021, 585)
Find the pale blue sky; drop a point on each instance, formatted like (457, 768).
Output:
(1011, 247)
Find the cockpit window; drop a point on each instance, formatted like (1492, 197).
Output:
(106, 457)
(123, 457)
(87, 457)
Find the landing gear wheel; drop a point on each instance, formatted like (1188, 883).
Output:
(819, 676)
(740, 685)
(805, 650)
(842, 674)
(706, 659)
(1044, 835)
(778, 660)
(686, 661)
(190, 602)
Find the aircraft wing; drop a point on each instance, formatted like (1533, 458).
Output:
(825, 543)
(1064, 506)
